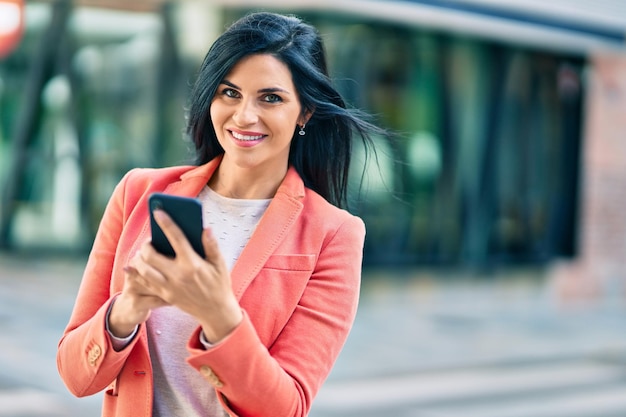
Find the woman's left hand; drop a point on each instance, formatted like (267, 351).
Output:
(200, 287)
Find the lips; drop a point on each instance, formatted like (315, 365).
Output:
(246, 137)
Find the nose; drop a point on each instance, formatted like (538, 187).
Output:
(246, 113)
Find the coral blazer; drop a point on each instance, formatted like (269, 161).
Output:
(297, 281)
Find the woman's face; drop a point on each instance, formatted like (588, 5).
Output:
(255, 111)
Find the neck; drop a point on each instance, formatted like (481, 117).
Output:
(245, 184)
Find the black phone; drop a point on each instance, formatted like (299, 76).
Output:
(186, 212)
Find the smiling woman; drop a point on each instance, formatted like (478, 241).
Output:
(255, 113)
(264, 314)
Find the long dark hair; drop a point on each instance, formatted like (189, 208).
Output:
(322, 157)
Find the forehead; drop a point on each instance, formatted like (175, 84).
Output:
(261, 69)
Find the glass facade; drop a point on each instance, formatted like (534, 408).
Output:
(484, 168)
(104, 94)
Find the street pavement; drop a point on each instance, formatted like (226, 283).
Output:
(36, 298)
(464, 345)
(425, 344)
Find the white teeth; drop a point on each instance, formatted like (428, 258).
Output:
(245, 137)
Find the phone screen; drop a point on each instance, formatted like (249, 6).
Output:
(186, 212)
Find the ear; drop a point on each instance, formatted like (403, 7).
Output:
(305, 117)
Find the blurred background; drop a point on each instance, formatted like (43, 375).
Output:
(493, 281)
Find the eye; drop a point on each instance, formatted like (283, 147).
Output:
(229, 92)
(272, 98)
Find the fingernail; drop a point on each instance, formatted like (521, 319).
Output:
(158, 214)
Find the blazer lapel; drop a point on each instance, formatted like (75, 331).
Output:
(269, 233)
(278, 219)
(192, 181)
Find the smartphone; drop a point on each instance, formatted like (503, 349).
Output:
(186, 212)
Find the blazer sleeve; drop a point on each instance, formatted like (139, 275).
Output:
(282, 380)
(86, 360)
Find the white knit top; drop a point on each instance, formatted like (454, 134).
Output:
(179, 390)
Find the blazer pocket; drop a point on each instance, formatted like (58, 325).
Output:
(274, 293)
(300, 262)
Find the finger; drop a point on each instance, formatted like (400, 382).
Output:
(144, 298)
(174, 234)
(149, 255)
(211, 249)
(135, 283)
(132, 278)
(146, 275)
(141, 288)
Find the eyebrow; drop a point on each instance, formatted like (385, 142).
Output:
(263, 90)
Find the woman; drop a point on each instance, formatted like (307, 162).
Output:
(254, 327)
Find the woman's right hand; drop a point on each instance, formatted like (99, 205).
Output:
(132, 306)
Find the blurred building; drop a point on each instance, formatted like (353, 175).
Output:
(509, 113)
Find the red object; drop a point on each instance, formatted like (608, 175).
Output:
(11, 25)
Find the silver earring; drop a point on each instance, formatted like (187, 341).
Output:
(302, 132)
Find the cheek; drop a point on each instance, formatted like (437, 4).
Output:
(217, 117)
(213, 112)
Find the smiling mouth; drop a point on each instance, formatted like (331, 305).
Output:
(239, 136)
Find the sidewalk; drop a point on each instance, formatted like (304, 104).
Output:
(424, 344)
(433, 345)
(36, 298)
